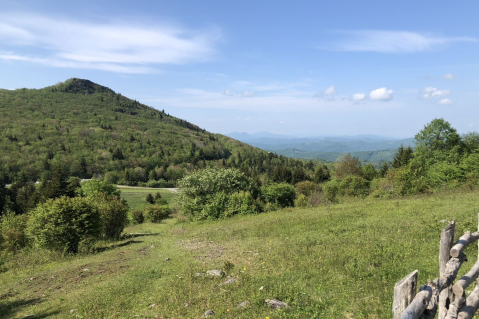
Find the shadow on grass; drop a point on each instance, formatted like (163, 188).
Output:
(127, 243)
(10, 309)
(140, 235)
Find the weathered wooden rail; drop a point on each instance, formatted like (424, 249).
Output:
(441, 296)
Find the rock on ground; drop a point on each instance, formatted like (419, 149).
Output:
(276, 304)
(229, 281)
(215, 273)
(209, 313)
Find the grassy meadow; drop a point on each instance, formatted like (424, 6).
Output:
(337, 261)
(135, 196)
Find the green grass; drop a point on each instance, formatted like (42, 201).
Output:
(135, 196)
(338, 261)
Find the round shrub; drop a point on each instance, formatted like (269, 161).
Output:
(199, 189)
(138, 216)
(61, 224)
(156, 213)
(95, 187)
(113, 214)
(282, 194)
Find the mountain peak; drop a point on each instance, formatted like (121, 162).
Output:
(75, 85)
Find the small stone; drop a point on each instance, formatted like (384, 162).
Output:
(215, 273)
(186, 305)
(261, 288)
(153, 305)
(200, 274)
(167, 259)
(229, 281)
(245, 304)
(276, 304)
(152, 246)
(209, 313)
(73, 311)
(86, 269)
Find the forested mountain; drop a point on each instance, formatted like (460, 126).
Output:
(89, 130)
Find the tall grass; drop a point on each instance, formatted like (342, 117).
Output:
(337, 261)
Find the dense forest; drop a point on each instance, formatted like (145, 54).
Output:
(90, 131)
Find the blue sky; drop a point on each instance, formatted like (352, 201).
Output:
(289, 67)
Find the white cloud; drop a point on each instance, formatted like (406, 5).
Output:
(432, 92)
(381, 94)
(358, 97)
(330, 90)
(446, 102)
(393, 41)
(109, 46)
(448, 76)
(248, 94)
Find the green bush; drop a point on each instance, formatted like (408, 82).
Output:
(161, 183)
(156, 213)
(282, 194)
(61, 224)
(199, 190)
(138, 216)
(113, 214)
(444, 175)
(149, 199)
(161, 202)
(12, 231)
(95, 187)
(306, 188)
(242, 203)
(271, 207)
(350, 185)
(301, 201)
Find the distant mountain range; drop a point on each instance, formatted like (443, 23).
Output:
(370, 148)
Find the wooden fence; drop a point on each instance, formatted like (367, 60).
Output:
(441, 296)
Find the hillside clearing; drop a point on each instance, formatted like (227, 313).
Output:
(327, 262)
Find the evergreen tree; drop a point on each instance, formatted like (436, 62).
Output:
(57, 186)
(149, 199)
(321, 174)
(369, 172)
(403, 156)
(384, 169)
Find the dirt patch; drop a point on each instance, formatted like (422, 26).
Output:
(204, 250)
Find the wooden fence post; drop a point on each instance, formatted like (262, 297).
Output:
(404, 293)
(445, 245)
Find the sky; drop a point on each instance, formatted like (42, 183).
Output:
(304, 68)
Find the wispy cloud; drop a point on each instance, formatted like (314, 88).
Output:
(445, 102)
(109, 46)
(392, 41)
(432, 92)
(449, 76)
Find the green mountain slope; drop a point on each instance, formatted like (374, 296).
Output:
(91, 130)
